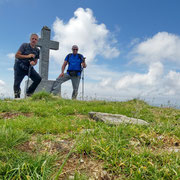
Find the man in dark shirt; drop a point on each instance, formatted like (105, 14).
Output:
(26, 57)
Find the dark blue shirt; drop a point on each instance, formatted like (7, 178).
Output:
(26, 49)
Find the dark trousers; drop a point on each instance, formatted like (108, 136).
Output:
(19, 75)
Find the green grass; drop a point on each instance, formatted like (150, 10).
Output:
(45, 137)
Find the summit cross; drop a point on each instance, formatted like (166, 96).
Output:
(45, 44)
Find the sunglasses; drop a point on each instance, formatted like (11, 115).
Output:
(75, 49)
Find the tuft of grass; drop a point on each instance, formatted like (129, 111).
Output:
(10, 137)
(22, 166)
(42, 96)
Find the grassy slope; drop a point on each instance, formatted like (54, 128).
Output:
(33, 133)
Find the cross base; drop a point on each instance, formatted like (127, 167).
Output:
(45, 85)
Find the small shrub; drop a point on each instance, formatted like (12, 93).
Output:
(42, 96)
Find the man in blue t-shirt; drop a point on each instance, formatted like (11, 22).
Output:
(75, 63)
(26, 57)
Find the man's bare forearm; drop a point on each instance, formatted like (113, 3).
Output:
(20, 56)
(63, 67)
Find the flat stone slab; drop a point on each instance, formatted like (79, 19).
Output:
(115, 119)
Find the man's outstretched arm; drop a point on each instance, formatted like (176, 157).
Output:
(20, 56)
(62, 69)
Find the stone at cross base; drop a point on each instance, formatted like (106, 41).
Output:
(45, 45)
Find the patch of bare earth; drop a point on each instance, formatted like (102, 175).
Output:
(157, 143)
(11, 115)
(81, 116)
(76, 163)
(48, 146)
(86, 165)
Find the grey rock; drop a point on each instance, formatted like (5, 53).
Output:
(115, 119)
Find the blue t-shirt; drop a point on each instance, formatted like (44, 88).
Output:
(74, 62)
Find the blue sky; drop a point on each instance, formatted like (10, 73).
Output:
(132, 46)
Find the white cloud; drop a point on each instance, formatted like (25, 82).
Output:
(142, 82)
(155, 53)
(6, 90)
(105, 82)
(11, 55)
(10, 69)
(172, 83)
(155, 83)
(2, 83)
(134, 42)
(92, 38)
(2, 88)
(163, 46)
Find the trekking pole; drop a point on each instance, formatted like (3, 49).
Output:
(83, 84)
(83, 79)
(29, 73)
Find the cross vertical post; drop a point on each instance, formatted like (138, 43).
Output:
(45, 44)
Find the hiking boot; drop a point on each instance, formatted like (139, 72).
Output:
(17, 95)
(28, 95)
